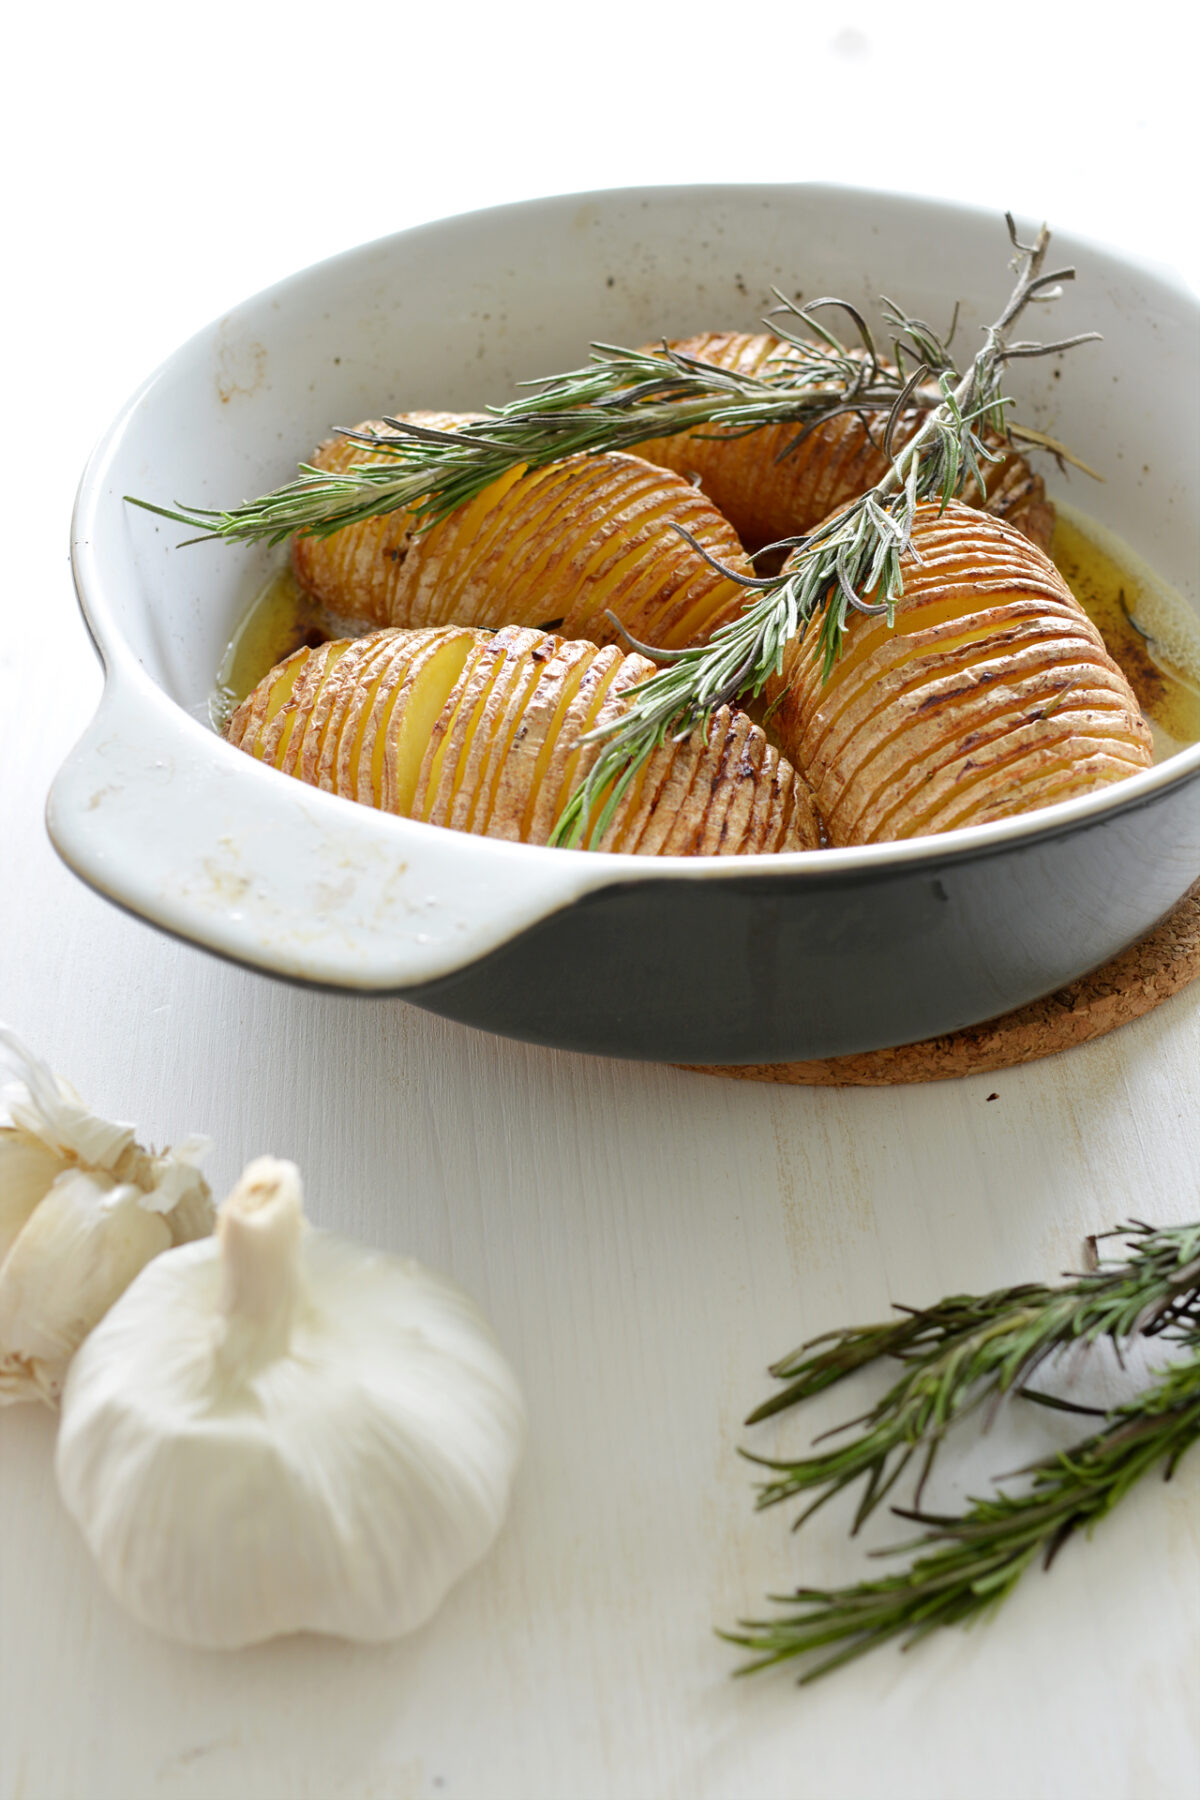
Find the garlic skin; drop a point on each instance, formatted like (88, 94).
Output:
(277, 1430)
(82, 1208)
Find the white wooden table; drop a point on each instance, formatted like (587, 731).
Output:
(645, 1240)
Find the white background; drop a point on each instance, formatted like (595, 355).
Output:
(645, 1240)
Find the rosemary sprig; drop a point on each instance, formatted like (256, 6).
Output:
(619, 399)
(969, 1350)
(850, 563)
(974, 1558)
(961, 1353)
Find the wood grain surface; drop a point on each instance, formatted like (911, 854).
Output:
(645, 1240)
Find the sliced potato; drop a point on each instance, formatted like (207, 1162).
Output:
(566, 544)
(354, 717)
(993, 694)
(767, 489)
(481, 732)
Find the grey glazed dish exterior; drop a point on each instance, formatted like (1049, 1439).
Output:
(724, 960)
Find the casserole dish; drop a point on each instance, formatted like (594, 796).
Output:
(751, 959)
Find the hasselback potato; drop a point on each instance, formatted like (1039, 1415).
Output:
(993, 695)
(480, 732)
(766, 498)
(562, 544)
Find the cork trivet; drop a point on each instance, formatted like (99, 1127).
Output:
(1133, 983)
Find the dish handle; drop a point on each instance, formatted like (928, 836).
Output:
(159, 814)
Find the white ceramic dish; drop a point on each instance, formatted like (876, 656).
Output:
(155, 811)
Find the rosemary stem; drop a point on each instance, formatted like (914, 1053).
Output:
(1032, 259)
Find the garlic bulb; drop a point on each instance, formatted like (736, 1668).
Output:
(82, 1208)
(276, 1430)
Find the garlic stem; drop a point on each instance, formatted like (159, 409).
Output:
(259, 1228)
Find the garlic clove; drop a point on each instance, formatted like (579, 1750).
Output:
(27, 1172)
(275, 1430)
(79, 1250)
(82, 1207)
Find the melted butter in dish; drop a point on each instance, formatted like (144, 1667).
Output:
(280, 619)
(1149, 629)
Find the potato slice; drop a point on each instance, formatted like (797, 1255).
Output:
(333, 758)
(258, 712)
(563, 668)
(285, 737)
(324, 715)
(992, 694)
(570, 759)
(570, 542)
(956, 698)
(482, 732)
(767, 489)
(449, 748)
(401, 743)
(479, 769)
(361, 564)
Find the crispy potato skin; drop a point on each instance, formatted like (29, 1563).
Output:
(567, 543)
(766, 498)
(503, 754)
(993, 695)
